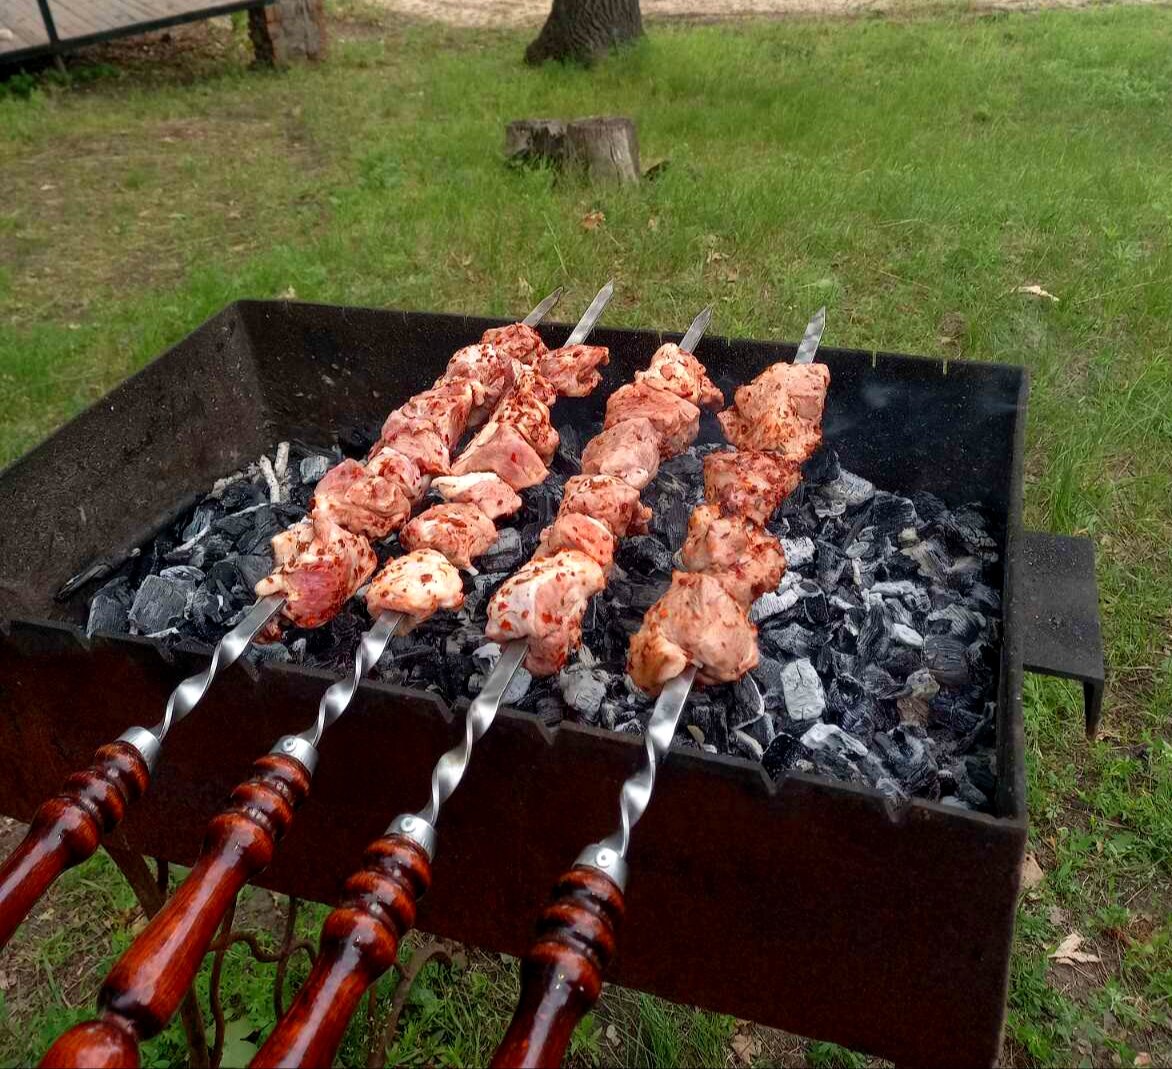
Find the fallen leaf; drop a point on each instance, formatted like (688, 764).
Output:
(290, 294)
(524, 285)
(5, 983)
(612, 1034)
(1069, 954)
(653, 223)
(1031, 873)
(1142, 1059)
(746, 1048)
(47, 186)
(730, 274)
(593, 220)
(1035, 290)
(714, 256)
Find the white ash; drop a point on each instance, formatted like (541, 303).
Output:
(884, 631)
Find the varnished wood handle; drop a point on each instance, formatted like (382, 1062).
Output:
(67, 829)
(359, 942)
(561, 975)
(146, 985)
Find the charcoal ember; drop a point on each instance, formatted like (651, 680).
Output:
(184, 573)
(774, 603)
(830, 563)
(822, 467)
(904, 751)
(956, 776)
(478, 589)
(208, 614)
(792, 640)
(984, 598)
(814, 603)
(956, 712)
(907, 636)
(828, 500)
(830, 739)
(312, 468)
(956, 620)
(356, 441)
(110, 608)
(670, 518)
(205, 514)
(570, 449)
(710, 718)
(243, 494)
(549, 710)
(805, 698)
(930, 559)
(769, 675)
(645, 555)
(584, 690)
(252, 568)
(878, 682)
(798, 551)
(610, 713)
(541, 505)
(858, 490)
(946, 657)
(902, 661)
(981, 773)
(891, 513)
(915, 704)
(969, 528)
(746, 746)
(879, 777)
(875, 635)
(781, 755)
(862, 548)
(504, 554)
(160, 604)
(899, 614)
(748, 702)
(630, 727)
(238, 524)
(962, 573)
(929, 507)
(268, 653)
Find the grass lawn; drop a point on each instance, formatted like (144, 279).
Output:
(909, 173)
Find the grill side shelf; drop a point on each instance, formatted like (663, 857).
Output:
(1061, 635)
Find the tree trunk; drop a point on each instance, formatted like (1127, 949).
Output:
(288, 30)
(606, 148)
(582, 30)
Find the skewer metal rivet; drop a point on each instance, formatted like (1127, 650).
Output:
(299, 749)
(606, 860)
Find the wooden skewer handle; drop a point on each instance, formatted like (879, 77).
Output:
(561, 975)
(147, 984)
(67, 829)
(359, 942)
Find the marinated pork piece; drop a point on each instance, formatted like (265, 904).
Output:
(389, 463)
(501, 448)
(484, 489)
(677, 370)
(517, 341)
(490, 371)
(527, 378)
(696, 622)
(445, 407)
(676, 420)
(741, 554)
(360, 500)
(780, 410)
(459, 532)
(418, 584)
(629, 450)
(571, 369)
(524, 410)
(544, 603)
(572, 530)
(608, 499)
(319, 567)
(421, 442)
(749, 484)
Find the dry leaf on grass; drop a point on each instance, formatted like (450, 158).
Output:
(746, 1048)
(714, 257)
(1143, 1059)
(1034, 290)
(653, 223)
(612, 1034)
(593, 220)
(1031, 873)
(1069, 954)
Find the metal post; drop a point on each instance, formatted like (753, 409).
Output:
(50, 25)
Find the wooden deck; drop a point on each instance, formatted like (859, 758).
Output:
(82, 22)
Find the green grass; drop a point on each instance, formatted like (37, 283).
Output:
(911, 174)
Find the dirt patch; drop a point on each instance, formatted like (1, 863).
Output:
(486, 13)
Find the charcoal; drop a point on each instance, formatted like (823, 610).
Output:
(160, 603)
(710, 719)
(480, 588)
(201, 520)
(243, 494)
(748, 702)
(814, 604)
(915, 704)
(268, 653)
(822, 467)
(769, 675)
(904, 751)
(570, 448)
(929, 507)
(907, 636)
(504, 554)
(237, 524)
(963, 786)
(584, 690)
(253, 568)
(110, 608)
(314, 467)
(670, 519)
(744, 745)
(979, 767)
(891, 514)
(798, 551)
(946, 658)
(930, 559)
(685, 468)
(774, 603)
(984, 598)
(549, 710)
(780, 755)
(184, 573)
(875, 634)
(956, 620)
(792, 640)
(805, 698)
(831, 739)
(878, 682)
(645, 555)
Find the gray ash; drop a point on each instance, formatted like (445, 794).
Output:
(879, 648)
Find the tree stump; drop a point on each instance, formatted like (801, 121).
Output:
(606, 148)
(288, 30)
(582, 30)
(531, 140)
(603, 148)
